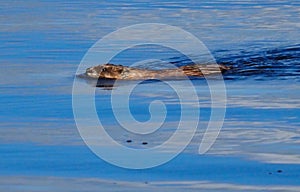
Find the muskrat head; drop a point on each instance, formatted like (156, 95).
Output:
(109, 71)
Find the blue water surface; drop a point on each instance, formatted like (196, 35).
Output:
(43, 42)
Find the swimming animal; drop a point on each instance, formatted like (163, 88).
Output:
(112, 71)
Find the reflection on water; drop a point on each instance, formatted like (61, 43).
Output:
(42, 43)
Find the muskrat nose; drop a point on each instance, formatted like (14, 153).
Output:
(89, 70)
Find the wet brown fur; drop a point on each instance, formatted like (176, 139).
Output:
(111, 71)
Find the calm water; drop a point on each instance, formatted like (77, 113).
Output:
(43, 42)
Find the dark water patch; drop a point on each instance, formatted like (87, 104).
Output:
(260, 64)
(264, 64)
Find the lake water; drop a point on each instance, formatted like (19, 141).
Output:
(258, 149)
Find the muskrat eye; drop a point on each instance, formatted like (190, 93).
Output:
(104, 69)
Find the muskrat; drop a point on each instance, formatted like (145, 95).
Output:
(112, 71)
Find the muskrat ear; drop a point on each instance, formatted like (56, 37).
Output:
(119, 69)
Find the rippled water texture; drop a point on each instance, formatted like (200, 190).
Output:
(43, 42)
